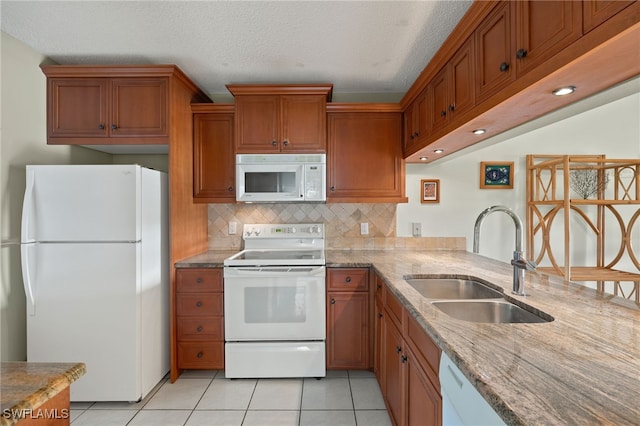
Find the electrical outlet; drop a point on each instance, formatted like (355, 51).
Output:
(364, 228)
(233, 228)
(416, 229)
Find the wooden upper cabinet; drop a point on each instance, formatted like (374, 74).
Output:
(139, 107)
(595, 12)
(365, 157)
(272, 119)
(494, 46)
(544, 28)
(417, 118)
(117, 105)
(77, 107)
(213, 155)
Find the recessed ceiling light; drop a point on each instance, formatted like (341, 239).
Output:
(564, 91)
(438, 151)
(479, 131)
(424, 158)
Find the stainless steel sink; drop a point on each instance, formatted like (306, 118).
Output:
(453, 288)
(488, 311)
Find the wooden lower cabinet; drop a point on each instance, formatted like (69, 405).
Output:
(348, 319)
(408, 367)
(199, 322)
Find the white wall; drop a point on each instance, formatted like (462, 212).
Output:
(612, 129)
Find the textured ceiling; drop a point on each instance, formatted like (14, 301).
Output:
(362, 47)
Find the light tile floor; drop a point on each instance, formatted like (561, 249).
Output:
(207, 398)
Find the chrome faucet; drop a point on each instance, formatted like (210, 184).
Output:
(520, 264)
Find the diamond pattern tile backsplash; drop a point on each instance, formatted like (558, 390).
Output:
(342, 225)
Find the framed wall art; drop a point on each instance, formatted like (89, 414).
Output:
(430, 190)
(496, 175)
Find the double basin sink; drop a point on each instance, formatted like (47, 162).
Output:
(473, 300)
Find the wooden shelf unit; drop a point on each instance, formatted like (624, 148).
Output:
(549, 196)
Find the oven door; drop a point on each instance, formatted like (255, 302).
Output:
(274, 303)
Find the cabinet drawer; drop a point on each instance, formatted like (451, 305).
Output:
(199, 280)
(425, 349)
(393, 306)
(205, 328)
(340, 279)
(199, 304)
(198, 355)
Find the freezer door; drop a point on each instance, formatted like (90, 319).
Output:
(82, 203)
(87, 309)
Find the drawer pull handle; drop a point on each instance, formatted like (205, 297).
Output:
(347, 280)
(199, 304)
(199, 355)
(199, 329)
(198, 280)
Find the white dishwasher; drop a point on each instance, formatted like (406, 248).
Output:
(462, 404)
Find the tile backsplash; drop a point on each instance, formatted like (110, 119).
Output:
(342, 225)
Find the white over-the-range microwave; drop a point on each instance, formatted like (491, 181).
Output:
(270, 178)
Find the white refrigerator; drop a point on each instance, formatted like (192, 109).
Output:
(94, 248)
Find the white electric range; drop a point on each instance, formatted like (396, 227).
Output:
(274, 303)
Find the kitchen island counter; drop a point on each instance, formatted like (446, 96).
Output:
(27, 389)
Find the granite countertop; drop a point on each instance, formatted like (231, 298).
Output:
(25, 386)
(581, 368)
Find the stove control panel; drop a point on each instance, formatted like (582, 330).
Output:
(298, 230)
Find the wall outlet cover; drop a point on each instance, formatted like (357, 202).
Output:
(416, 229)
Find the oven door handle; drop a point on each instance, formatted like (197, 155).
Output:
(274, 271)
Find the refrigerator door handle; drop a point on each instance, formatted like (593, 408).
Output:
(27, 208)
(28, 279)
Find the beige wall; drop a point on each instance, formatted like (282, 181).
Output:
(23, 141)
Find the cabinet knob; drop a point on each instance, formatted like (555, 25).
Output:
(333, 189)
(199, 329)
(286, 142)
(403, 359)
(443, 113)
(452, 107)
(199, 355)
(114, 127)
(380, 315)
(504, 66)
(101, 126)
(398, 349)
(521, 53)
(333, 301)
(199, 304)
(274, 143)
(230, 189)
(379, 286)
(347, 280)
(198, 280)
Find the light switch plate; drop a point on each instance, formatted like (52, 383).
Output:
(233, 228)
(416, 229)
(364, 228)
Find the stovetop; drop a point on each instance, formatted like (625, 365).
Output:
(281, 245)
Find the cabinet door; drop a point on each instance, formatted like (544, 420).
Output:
(304, 123)
(410, 131)
(257, 124)
(440, 90)
(595, 12)
(463, 83)
(213, 158)
(139, 107)
(393, 371)
(494, 41)
(544, 29)
(365, 157)
(424, 402)
(378, 316)
(77, 107)
(348, 330)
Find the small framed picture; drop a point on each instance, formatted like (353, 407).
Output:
(430, 190)
(496, 175)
